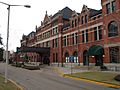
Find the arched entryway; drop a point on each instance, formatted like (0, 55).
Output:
(46, 60)
(66, 57)
(85, 58)
(75, 54)
(97, 51)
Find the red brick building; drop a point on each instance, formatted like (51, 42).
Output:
(91, 37)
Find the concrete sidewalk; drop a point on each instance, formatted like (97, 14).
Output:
(69, 70)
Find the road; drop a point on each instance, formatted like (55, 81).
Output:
(47, 79)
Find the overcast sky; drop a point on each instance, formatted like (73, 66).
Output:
(23, 20)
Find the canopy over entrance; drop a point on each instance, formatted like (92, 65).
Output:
(40, 50)
(95, 50)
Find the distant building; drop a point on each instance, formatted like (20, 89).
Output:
(91, 37)
(4, 55)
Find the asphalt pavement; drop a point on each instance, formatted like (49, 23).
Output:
(47, 79)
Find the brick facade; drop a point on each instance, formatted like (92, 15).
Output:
(69, 33)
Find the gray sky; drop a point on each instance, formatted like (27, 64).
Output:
(23, 20)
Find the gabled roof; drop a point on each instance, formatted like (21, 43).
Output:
(94, 12)
(65, 13)
(46, 18)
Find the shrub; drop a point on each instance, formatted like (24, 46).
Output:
(117, 78)
(103, 68)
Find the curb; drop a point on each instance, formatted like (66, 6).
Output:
(20, 87)
(92, 81)
(86, 80)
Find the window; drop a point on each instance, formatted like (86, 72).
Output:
(75, 54)
(48, 43)
(75, 22)
(73, 42)
(83, 36)
(56, 42)
(87, 35)
(108, 8)
(53, 44)
(78, 21)
(68, 40)
(85, 18)
(67, 57)
(72, 24)
(82, 20)
(64, 41)
(100, 32)
(113, 6)
(55, 30)
(95, 33)
(53, 57)
(114, 55)
(56, 57)
(76, 38)
(112, 29)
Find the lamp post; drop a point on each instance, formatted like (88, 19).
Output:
(9, 5)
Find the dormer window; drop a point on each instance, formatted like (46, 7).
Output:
(72, 23)
(75, 22)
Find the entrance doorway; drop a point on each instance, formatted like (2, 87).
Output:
(98, 52)
(98, 60)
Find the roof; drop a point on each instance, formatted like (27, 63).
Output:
(94, 12)
(65, 13)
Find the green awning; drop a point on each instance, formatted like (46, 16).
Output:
(95, 50)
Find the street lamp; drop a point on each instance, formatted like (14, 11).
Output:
(9, 5)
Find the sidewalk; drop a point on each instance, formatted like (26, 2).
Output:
(69, 70)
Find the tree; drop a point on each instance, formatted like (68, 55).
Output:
(1, 54)
(26, 58)
(1, 40)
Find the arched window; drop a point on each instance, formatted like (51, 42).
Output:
(67, 57)
(75, 54)
(112, 29)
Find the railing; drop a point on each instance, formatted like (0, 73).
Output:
(113, 68)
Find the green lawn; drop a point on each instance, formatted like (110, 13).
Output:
(97, 76)
(8, 86)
